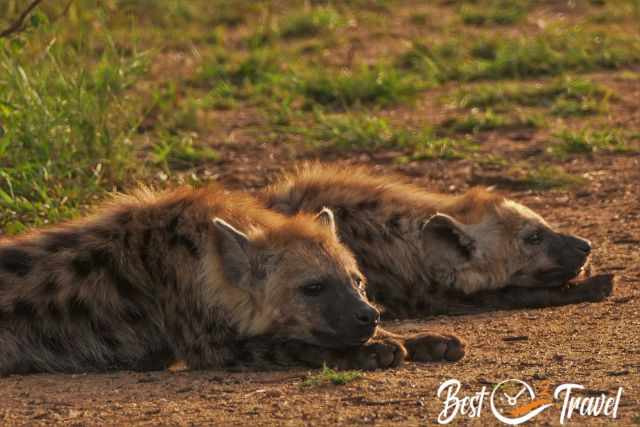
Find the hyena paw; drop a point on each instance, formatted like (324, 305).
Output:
(596, 288)
(435, 347)
(378, 354)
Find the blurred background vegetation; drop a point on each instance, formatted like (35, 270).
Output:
(96, 95)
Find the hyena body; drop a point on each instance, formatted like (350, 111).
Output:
(155, 278)
(425, 253)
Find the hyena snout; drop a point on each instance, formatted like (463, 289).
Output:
(367, 317)
(582, 245)
(577, 249)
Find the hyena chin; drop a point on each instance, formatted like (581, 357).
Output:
(208, 277)
(426, 253)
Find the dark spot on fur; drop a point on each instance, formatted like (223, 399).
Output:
(133, 314)
(60, 240)
(16, 261)
(245, 356)
(126, 240)
(106, 334)
(95, 259)
(82, 265)
(23, 308)
(78, 309)
(367, 205)
(393, 222)
(186, 242)
(145, 255)
(54, 311)
(53, 343)
(49, 286)
(123, 218)
(125, 288)
(173, 224)
(108, 234)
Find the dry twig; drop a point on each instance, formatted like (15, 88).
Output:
(18, 25)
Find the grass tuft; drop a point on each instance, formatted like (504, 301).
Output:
(498, 12)
(588, 142)
(364, 132)
(481, 121)
(310, 23)
(549, 177)
(363, 87)
(181, 152)
(565, 97)
(330, 376)
(551, 53)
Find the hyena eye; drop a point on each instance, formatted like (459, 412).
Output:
(313, 289)
(358, 282)
(534, 238)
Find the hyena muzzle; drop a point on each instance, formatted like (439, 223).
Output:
(208, 277)
(425, 253)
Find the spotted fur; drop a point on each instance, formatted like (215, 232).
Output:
(425, 253)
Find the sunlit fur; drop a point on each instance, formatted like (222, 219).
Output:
(381, 218)
(141, 282)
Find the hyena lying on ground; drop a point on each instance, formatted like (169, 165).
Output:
(157, 278)
(426, 253)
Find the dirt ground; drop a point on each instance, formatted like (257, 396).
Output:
(596, 345)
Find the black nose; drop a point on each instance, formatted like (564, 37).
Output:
(583, 245)
(368, 316)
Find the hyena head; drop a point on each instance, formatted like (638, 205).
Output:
(502, 243)
(302, 282)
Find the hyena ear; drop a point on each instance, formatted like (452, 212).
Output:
(233, 247)
(325, 218)
(444, 227)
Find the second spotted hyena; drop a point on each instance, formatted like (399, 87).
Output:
(154, 278)
(426, 253)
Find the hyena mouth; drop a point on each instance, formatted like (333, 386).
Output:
(583, 273)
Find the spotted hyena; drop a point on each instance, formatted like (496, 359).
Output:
(426, 253)
(208, 277)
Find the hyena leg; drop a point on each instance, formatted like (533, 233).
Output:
(429, 347)
(593, 289)
(380, 352)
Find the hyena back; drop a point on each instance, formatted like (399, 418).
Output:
(426, 253)
(154, 278)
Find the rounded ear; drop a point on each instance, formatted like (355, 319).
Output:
(233, 248)
(325, 217)
(445, 227)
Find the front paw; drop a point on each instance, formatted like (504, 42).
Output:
(595, 288)
(377, 354)
(434, 347)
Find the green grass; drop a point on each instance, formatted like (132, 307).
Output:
(310, 23)
(549, 177)
(67, 130)
(377, 86)
(481, 121)
(498, 12)
(330, 376)
(589, 142)
(550, 53)
(365, 132)
(569, 96)
(181, 152)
